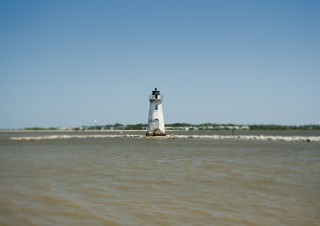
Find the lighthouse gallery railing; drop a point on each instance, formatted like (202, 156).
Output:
(153, 97)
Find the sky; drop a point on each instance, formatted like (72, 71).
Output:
(69, 63)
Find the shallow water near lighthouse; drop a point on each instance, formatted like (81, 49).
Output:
(128, 181)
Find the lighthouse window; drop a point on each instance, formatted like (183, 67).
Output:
(156, 107)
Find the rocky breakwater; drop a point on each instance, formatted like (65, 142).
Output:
(214, 137)
(251, 137)
(61, 137)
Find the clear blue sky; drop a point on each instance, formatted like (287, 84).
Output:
(68, 63)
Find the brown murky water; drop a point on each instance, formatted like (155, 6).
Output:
(128, 181)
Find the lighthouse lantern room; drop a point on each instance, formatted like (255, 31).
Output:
(155, 121)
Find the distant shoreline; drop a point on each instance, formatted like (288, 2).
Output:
(167, 130)
(69, 131)
(176, 127)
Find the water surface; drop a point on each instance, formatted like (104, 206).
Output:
(128, 181)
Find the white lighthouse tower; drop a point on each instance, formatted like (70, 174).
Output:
(155, 121)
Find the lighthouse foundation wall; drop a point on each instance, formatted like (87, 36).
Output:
(155, 133)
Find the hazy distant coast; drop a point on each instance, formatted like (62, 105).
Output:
(305, 133)
(178, 127)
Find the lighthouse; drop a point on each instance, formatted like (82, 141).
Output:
(155, 121)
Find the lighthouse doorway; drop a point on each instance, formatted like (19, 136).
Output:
(156, 124)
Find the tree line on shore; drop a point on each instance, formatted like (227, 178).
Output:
(187, 126)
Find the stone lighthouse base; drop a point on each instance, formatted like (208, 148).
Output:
(155, 133)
